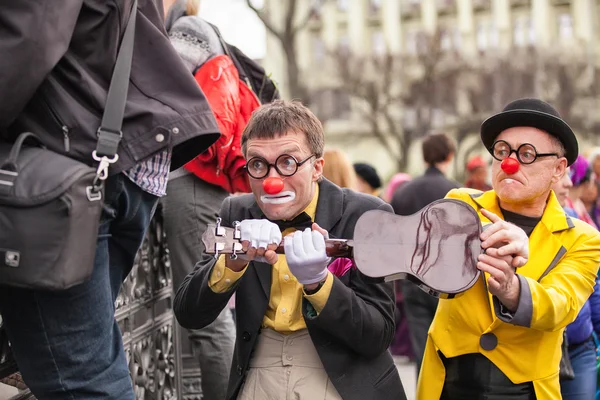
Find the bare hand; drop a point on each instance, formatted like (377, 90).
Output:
(503, 282)
(509, 239)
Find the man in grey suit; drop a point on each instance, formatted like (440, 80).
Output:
(307, 327)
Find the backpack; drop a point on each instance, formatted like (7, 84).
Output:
(251, 73)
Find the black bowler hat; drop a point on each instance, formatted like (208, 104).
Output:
(534, 113)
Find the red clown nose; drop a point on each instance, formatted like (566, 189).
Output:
(510, 165)
(273, 185)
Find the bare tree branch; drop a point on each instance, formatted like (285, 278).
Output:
(315, 7)
(265, 20)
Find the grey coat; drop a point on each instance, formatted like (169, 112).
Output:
(351, 334)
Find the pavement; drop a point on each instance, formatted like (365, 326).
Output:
(407, 370)
(408, 374)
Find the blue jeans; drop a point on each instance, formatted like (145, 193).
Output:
(67, 344)
(583, 360)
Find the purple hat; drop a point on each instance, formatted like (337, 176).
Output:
(580, 171)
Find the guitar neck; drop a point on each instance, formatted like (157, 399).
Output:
(333, 248)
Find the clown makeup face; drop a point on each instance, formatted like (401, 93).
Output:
(526, 190)
(277, 195)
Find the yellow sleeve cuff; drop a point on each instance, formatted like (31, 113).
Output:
(222, 278)
(319, 299)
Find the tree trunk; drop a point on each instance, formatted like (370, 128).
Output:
(297, 89)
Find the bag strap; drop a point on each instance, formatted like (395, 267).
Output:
(235, 60)
(109, 133)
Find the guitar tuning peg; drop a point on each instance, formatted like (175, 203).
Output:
(218, 247)
(219, 230)
(235, 249)
(237, 234)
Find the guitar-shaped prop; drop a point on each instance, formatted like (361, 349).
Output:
(435, 248)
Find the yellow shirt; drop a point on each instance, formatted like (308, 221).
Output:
(284, 312)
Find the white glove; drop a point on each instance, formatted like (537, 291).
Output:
(260, 233)
(306, 256)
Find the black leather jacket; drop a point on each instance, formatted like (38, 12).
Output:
(56, 61)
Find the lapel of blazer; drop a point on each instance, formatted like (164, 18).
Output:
(262, 270)
(330, 205)
(545, 249)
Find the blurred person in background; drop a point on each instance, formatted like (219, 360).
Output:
(579, 334)
(594, 159)
(339, 170)
(477, 174)
(197, 190)
(368, 180)
(401, 346)
(584, 188)
(394, 184)
(438, 154)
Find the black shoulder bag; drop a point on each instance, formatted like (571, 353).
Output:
(50, 205)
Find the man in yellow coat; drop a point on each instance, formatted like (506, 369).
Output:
(502, 338)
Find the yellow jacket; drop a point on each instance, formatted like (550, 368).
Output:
(555, 283)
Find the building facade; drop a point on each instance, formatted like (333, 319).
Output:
(377, 27)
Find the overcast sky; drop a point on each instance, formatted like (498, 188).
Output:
(238, 24)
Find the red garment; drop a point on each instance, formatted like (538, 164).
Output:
(232, 103)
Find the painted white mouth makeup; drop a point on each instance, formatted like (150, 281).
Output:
(279, 198)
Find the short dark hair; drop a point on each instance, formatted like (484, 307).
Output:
(280, 117)
(437, 147)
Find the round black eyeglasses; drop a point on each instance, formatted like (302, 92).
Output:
(526, 153)
(285, 165)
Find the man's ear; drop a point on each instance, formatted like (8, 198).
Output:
(318, 169)
(560, 169)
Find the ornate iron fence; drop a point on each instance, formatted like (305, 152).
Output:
(145, 316)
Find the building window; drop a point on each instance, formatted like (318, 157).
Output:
(410, 117)
(437, 118)
(378, 43)
(445, 40)
(344, 45)
(519, 33)
(411, 42)
(530, 31)
(482, 36)
(457, 38)
(342, 5)
(331, 103)
(374, 6)
(493, 36)
(565, 27)
(408, 6)
(318, 49)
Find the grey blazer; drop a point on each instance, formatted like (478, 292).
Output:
(351, 334)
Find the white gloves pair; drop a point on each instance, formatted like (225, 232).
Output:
(304, 250)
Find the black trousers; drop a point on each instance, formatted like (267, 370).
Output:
(474, 377)
(420, 310)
